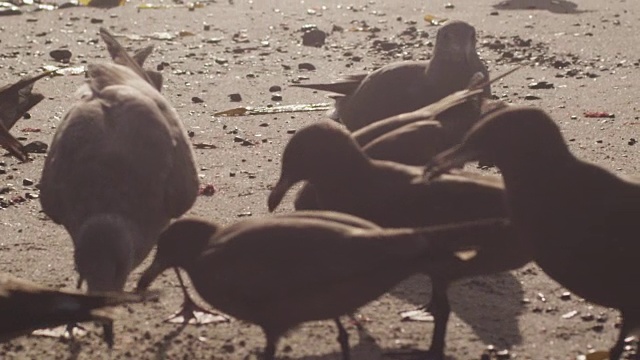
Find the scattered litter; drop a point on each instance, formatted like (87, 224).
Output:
(190, 6)
(202, 145)
(419, 315)
(434, 20)
(63, 71)
(207, 190)
(61, 332)
(243, 111)
(599, 114)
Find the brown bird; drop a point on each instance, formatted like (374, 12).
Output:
(25, 306)
(15, 100)
(409, 85)
(413, 138)
(392, 195)
(281, 271)
(120, 167)
(579, 218)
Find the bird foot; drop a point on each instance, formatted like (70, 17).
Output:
(421, 314)
(193, 314)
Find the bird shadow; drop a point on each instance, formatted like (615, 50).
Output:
(164, 345)
(490, 305)
(368, 348)
(75, 348)
(554, 6)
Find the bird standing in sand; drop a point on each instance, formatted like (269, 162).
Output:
(580, 219)
(281, 271)
(392, 195)
(120, 167)
(406, 86)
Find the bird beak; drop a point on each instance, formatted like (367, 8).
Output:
(277, 193)
(455, 157)
(149, 275)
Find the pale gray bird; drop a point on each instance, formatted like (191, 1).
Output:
(409, 85)
(580, 219)
(120, 167)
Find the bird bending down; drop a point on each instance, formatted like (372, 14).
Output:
(281, 271)
(119, 168)
(406, 86)
(580, 219)
(393, 195)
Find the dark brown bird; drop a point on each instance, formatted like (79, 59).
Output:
(580, 219)
(15, 100)
(406, 86)
(120, 167)
(413, 138)
(25, 306)
(392, 195)
(281, 271)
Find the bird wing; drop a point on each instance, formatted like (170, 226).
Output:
(17, 98)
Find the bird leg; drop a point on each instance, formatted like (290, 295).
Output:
(72, 326)
(343, 339)
(618, 348)
(191, 313)
(270, 348)
(440, 309)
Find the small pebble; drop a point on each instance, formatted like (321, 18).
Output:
(306, 66)
(61, 55)
(315, 38)
(275, 88)
(235, 97)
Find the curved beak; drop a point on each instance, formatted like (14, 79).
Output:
(455, 157)
(150, 274)
(278, 192)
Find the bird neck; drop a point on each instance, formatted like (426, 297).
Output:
(104, 251)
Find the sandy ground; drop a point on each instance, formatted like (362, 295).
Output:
(588, 50)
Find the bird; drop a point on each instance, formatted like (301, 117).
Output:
(393, 195)
(18, 98)
(579, 218)
(26, 306)
(15, 100)
(119, 168)
(413, 138)
(280, 271)
(406, 86)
